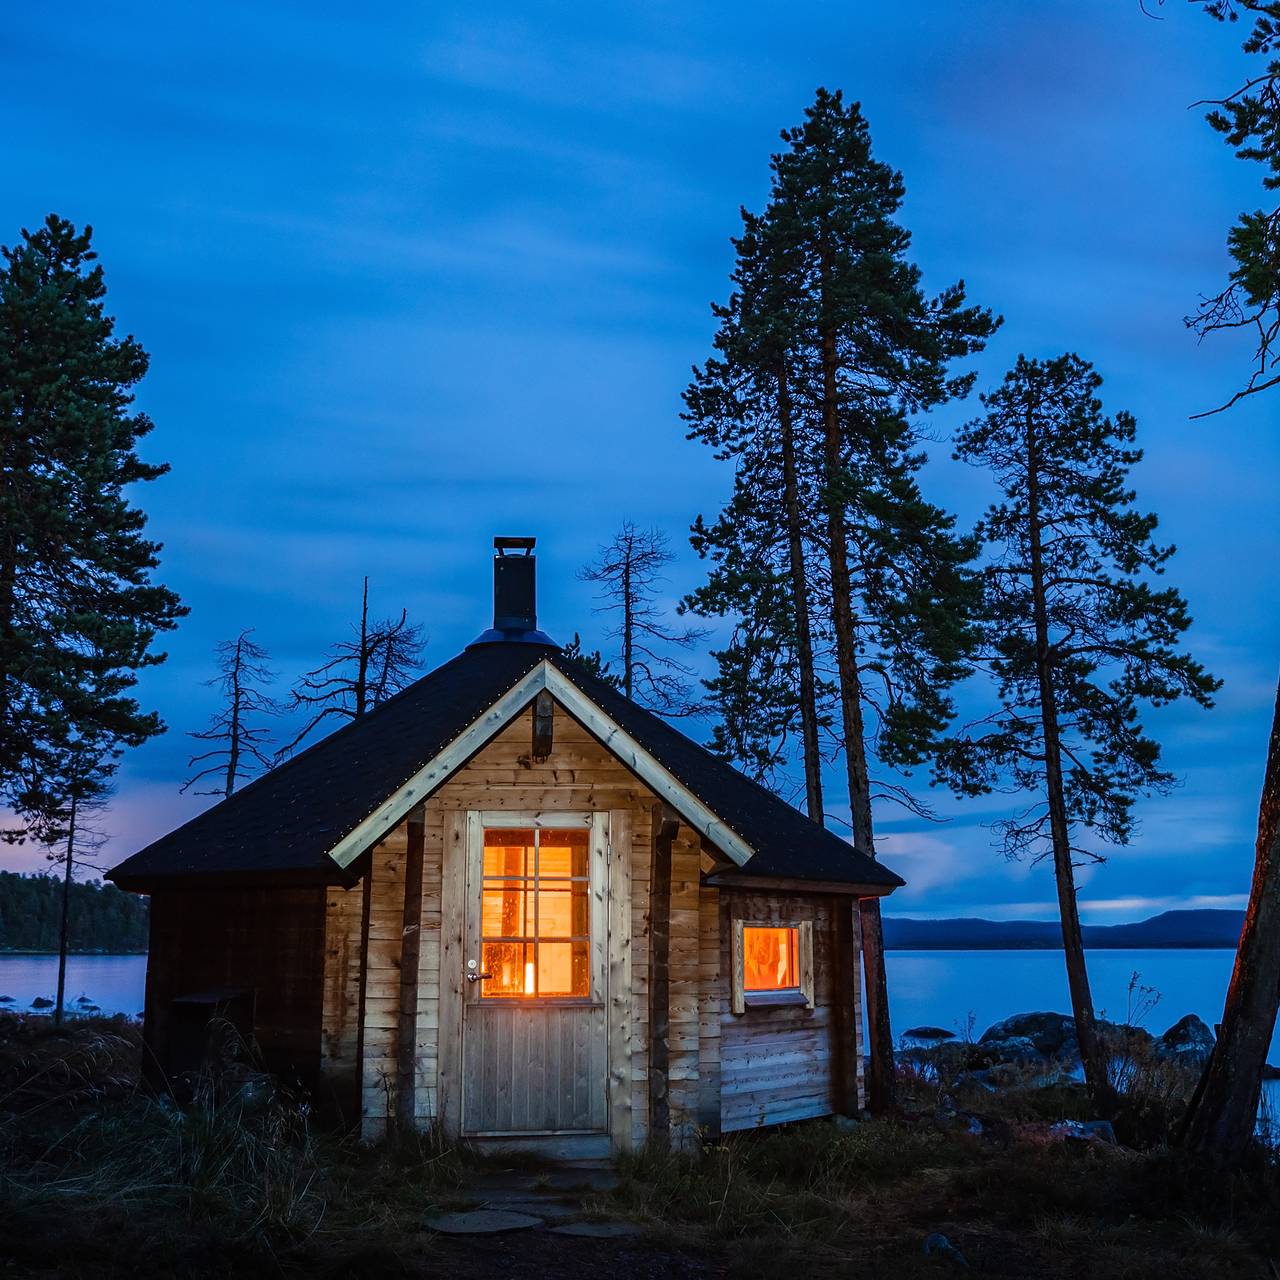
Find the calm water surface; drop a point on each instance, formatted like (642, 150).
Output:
(941, 988)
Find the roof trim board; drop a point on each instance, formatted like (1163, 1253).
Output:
(438, 769)
(615, 739)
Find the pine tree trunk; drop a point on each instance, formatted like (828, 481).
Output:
(64, 930)
(880, 1074)
(800, 596)
(1092, 1057)
(1223, 1120)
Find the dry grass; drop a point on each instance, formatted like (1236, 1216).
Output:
(99, 1179)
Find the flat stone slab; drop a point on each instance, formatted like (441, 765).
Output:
(598, 1230)
(481, 1222)
(547, 1210)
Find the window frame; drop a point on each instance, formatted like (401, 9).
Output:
(797, 996)
(596, 824)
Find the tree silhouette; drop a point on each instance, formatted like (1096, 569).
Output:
(628, 571)
(1077, 638)
(359, 674)
(242, 676)
(1224, 1112)
(79, 610)
(829, 351)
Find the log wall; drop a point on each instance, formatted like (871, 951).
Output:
(726, 1071)
(788, 1062)
(269, 942)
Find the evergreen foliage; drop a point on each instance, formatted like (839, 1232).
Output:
(1077, 637)
(78, 608)
(1249, 121)
(592, 662)
(1224, 1113)
(103, 918)
(829, 556)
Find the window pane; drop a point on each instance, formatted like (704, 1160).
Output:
(506, 909)
(562, 852)
(562, 910)
(564, 969)
(769, 959)
(508, 853)
(511, 964)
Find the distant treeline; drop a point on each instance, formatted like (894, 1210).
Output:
(1198, 928)
(102, 917)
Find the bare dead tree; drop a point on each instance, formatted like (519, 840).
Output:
(359, 674)
(628, 571)
(242, 676)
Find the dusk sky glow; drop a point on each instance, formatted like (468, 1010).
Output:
(412, 275)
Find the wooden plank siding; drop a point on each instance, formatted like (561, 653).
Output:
(268, 943)
(579, 775)
(782, 1063)
(724, 1071)
(340, 1016)
(381, 1039)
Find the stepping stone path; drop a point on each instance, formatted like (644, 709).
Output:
(512, 1200)
(481, 1222)
(598, 1230)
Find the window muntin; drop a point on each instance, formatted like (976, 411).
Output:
(535, 935)
(770, 959)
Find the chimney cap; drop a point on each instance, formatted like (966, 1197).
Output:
(504, 544)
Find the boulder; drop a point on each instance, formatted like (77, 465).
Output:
(1123, 1037)
(929, 1034)
(41, 1003)
(1009, 1050)
(1050, 1033)
(1188, 1040)
(1084, 1131)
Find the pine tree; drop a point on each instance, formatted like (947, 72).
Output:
(628, 571)
(242, 677)
(592, 662)
(1077, 637)
(831, 347)
(78, 608)
(359, 675)
(747, 403)
(1224, 1113)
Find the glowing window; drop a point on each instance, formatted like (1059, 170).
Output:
(535, 935)
(772, 964)
(769, 959)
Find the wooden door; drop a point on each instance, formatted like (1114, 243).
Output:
(534, 1024)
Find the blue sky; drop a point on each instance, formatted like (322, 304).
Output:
(412, 275)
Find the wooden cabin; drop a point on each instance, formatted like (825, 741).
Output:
(512, 903)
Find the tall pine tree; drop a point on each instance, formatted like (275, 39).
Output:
(78, 608)
(829, 349)
(1224, 1113)
(1077, 636)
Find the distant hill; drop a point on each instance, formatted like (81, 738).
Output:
(1169, 929)
(101, 918)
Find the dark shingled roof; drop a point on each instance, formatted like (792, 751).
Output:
(285, 822)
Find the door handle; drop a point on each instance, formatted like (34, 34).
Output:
(478, 977)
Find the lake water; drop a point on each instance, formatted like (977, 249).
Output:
(940, 988)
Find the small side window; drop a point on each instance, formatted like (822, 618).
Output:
(772, 964)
